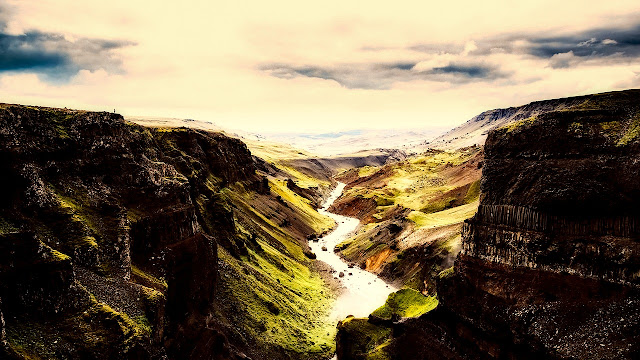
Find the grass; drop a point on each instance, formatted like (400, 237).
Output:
(273, 151)
(367, 170)
(632, 132)
(271, 292)
(158, 283)
(281, 302)
(520, 124)
(414, 183)
(301, 179)
(311, 216)
(406, 303)
(445, 217)
(98, 330)
(440, 189)
(362, 339)
(444, 274)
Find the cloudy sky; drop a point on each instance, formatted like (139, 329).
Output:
(314, 66)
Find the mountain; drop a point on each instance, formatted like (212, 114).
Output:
(475, 131)
(347, 142)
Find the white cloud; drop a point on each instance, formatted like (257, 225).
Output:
(201, 59)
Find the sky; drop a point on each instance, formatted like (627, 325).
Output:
(273, 66)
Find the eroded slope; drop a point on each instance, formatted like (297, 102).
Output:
(125, 242)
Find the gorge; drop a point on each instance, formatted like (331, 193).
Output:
(122, 241)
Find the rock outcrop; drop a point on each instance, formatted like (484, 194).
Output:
(549, 264)
(107, 222)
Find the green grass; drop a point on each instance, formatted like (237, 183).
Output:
(279, 301)
(444, 274)
(367, 170)
(365, 340)
(273, 151)
(303, 180)
(311, 216)
(159, 283)
(415, 182)
(632, 133)
(406, 303)
(271, 292)
(519, 124)
(445, 217)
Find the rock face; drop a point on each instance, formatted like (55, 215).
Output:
(3, 335)
(550, 262)
(90, 200)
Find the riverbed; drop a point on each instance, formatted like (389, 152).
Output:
(363, 291)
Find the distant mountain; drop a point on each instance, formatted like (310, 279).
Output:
(474, 131)
(321, 144)
(335, 143)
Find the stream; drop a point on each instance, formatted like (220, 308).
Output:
(363, 291)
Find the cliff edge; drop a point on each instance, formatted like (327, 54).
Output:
(549, 264)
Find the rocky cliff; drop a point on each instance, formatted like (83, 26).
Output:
(110, 236)
(549, 264)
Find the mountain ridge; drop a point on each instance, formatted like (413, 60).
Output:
(476, 129)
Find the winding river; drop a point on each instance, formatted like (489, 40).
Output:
(363, 291)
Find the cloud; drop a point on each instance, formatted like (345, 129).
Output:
(562, 61)
(472, 71)
(602, 43)
(383, 76)
(592, 44)
(55, 57)
(473, 60)
(187, 65)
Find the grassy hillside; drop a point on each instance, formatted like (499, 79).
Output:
(411, 214)
(120, 241)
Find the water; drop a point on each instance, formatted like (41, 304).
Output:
(364, 292)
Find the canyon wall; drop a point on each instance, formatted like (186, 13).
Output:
(549, 264)
(110, 235)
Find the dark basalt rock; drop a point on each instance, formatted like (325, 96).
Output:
(35, 280)
(112, 195)
(549, 263)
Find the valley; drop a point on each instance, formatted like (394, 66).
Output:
(146, 239)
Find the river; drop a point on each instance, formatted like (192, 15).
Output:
(363, 291)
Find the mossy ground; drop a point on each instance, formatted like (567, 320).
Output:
(98, 329)
(406, 303)
(320, 223)
(273, 151)
(271, 294)
(365, 340)
(622, 132)
(429, 194)
(361, 339)
(279, 301)
(442, 218)
(419, 182)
